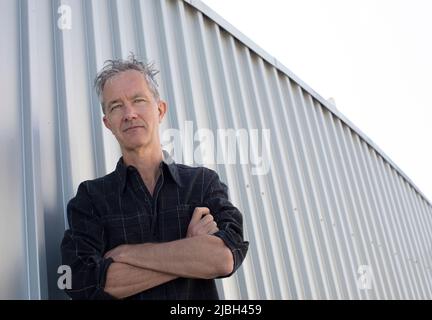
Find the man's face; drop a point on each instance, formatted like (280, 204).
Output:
(131, 111)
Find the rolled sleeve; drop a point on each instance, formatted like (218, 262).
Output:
(82, 249)
(228, 218)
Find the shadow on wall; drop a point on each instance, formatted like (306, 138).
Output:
(54, 230)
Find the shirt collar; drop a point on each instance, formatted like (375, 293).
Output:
(172, 167)
(167, 162)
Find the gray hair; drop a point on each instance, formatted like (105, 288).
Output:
(114, 67)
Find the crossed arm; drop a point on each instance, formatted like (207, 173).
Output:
(142, 266)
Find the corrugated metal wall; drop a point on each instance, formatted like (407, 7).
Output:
(333, 218)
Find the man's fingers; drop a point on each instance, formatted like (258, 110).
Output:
(209, 228)
(198, 213)
(206, 219)
(212, 228)
(202, 222)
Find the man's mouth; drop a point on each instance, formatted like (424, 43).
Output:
(133, 127)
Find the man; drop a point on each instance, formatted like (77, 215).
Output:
(152, 229)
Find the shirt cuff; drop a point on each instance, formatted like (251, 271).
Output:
(238, 249)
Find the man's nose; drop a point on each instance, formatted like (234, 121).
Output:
(130, 113)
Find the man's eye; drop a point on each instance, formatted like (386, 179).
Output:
(115, 107)
(138, 100)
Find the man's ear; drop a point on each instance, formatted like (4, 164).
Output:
(106, 123)
(162, 107)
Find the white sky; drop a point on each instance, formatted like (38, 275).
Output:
(374, 57)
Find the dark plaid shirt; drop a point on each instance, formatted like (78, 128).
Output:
(118, 209)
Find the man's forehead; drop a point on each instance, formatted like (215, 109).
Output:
(127, 76)
(122, 83)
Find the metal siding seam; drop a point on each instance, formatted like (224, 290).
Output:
(359, 214)
(394, 236)
(249, 280)
(95, 115)
(208, 90)
(125, 27)
(402, 226)
(170, 74)
(232, 284)
(365, 214)
(77, 97)
(343, 285)
(270, 206)
(263, 207)
(275, 173)
(301, 277)
(139, 30)
(316, 216)
(149, 34)
(245, 120)
(352, 199)
(341, 208)
(377, 221)
(344, 242)
(258, 286)
(311, 209)
(312, 283)
(394, 213)
(325, 224)
(418, 246)
(32, 281)
(384, 212)
(276, 194)
(426, 257)
(426, 214)
(114, 28)
(104, 49)
(62, 122)
(413, 235)
(423, 249)
(370, 213)
(408, 237)
(167, 67)
(289, 244)
(169, 50)
(185, 51)
(427, 237)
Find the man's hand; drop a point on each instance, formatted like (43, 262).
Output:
(202, 223)
(119, 253)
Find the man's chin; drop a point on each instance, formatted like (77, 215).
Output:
(134, 145)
